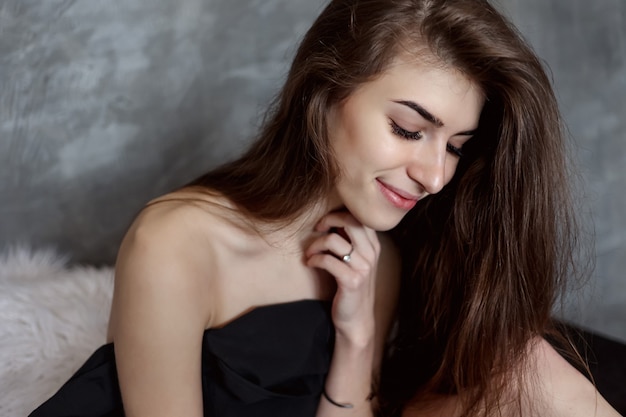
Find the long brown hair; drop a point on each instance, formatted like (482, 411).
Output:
(484, 259)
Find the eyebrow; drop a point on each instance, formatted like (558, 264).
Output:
(429, 116)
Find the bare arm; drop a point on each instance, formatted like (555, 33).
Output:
(158, 319)
(363, 309)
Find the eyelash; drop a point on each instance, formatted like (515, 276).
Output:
(397, 130)
(454, 150)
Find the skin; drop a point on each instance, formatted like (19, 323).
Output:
(373, 159)
(553, 388)
(370, 154)
(180, 262)
(184, 267)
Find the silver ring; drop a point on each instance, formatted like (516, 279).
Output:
(347, 258)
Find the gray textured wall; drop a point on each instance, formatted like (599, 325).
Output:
(584, 43)
(106, 104)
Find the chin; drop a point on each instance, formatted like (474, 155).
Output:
(381, 222)
(386, 227)
(376, 216)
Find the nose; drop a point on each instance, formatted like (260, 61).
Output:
(428, 165)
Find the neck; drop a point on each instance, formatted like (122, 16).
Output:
(298, 233)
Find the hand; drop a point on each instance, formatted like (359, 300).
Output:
(353, 305)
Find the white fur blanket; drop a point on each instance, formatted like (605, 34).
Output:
(52, 317)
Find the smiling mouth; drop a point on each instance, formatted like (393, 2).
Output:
(396, 197)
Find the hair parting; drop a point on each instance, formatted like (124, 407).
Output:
(484, 260)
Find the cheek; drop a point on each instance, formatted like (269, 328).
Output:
(362, 140)
(451, 169)
(353, 145)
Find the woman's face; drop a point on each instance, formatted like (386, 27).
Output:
(399, 138)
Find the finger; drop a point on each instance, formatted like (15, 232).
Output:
(331, 242)
(351, 226)
(344, 220)
(327, 252)
(347, 277)
(340, 219)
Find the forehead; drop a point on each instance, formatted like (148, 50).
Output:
(425, 73)
(444, 91)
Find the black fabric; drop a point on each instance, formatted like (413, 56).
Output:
(271, 361)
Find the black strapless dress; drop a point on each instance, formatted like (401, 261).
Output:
(271, 361)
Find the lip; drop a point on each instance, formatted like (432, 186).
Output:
(398, 198)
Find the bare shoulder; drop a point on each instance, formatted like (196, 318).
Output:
(187, 228)
(163, 300)
(171, 252)
(169, 233)
(564, 390)
(552, 388)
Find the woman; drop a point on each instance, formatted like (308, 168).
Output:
(415, 144)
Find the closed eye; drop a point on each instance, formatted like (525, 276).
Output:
(454, 150)
(406, 134)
